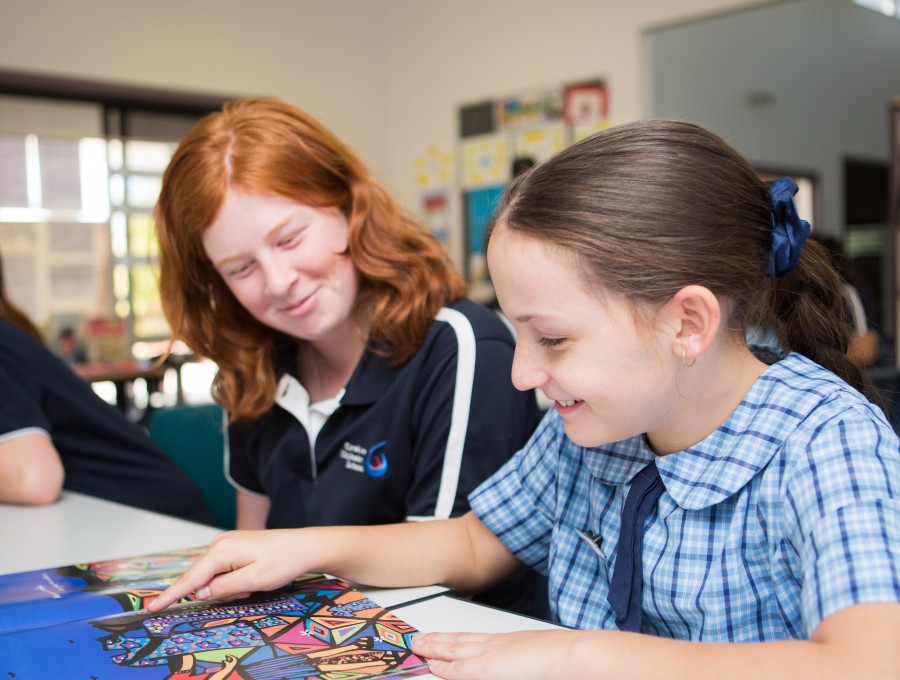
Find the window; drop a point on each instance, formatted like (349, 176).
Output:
(54, 217)
(81, 165)
(136, 168)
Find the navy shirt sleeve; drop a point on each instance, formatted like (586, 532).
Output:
(19, 408)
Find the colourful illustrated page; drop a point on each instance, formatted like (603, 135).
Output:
(89, 621)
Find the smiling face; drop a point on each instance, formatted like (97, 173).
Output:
(285, 262)
(610, 375)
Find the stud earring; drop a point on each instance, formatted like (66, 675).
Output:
(685, 361)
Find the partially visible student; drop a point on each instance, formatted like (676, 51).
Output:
(744, 517)
(865, 343)
(520, 165)
(56, 433)
(70, 347)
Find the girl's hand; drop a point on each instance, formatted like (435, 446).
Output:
(477, 656)
(237, 564)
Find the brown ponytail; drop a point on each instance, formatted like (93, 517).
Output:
(808, 312)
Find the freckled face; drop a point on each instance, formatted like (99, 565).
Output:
(284, 263)
(608, 374)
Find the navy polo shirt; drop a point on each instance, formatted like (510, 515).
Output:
(405, 443)
(102, 452)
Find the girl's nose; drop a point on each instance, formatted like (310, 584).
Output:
(279, 277)
(526, 371)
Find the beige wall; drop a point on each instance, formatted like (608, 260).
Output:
(387, 75)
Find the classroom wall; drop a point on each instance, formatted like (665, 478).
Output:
(387, 75)
(798, 85)
(489, 49)
(317, 53)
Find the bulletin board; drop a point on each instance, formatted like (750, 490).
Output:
(434, 179)
(494, 133)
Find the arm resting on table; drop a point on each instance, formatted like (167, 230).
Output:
(31, 472)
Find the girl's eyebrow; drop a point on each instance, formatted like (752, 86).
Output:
(283, 223)
(224, 261)
(279, 225)
(526, 318)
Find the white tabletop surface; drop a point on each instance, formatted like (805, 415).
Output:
(448, 614)
(80, 528)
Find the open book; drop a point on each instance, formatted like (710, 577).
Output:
(89, 621)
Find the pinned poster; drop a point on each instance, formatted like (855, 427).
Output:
(434, 179)
(530, 110)
(480, 207)
(586, 104)
(485, 161)
(433, 168)
(542, 142)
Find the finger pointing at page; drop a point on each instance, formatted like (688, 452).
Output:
(237, 563)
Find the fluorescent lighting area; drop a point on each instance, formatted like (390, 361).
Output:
(890, 8)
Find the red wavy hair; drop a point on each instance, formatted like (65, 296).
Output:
(268, 146)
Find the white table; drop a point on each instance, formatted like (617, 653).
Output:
(80, 529)
(448, 614)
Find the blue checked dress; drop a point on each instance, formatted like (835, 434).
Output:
(787, 513)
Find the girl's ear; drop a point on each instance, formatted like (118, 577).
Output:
(694, 315)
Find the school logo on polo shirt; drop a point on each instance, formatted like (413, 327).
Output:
(372, 461)
(376, 460)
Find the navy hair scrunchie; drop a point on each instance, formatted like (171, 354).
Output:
(788, 230)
